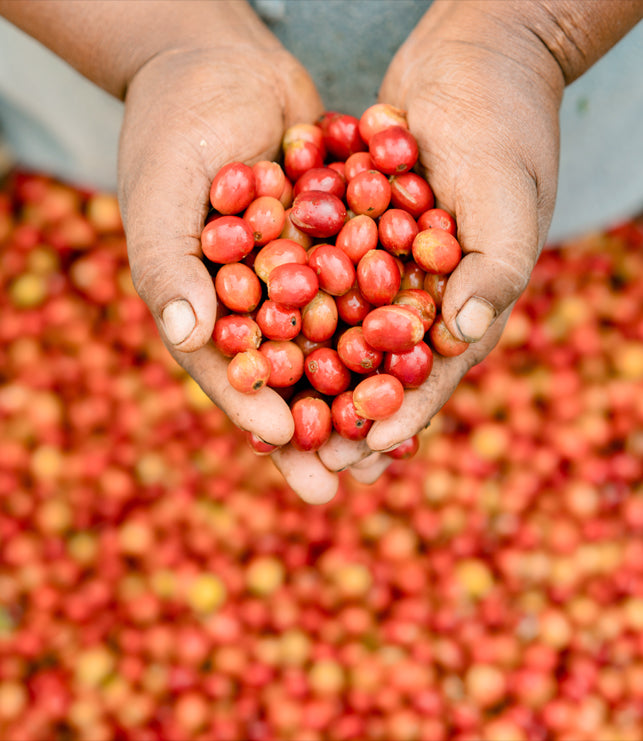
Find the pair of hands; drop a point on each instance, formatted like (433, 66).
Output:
(485, 114)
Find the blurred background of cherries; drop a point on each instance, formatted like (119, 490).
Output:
(158, 581)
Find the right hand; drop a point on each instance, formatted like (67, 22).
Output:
(187, 113)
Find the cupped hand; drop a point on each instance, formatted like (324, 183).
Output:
(482, 95)
(188, 112)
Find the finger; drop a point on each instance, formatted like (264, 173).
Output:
(339, 453)
(164, 208)
(371, 468)
(306, 475)
(303, 103)
(264, 413)
(501, 238)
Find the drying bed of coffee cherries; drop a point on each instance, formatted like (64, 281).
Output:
(159, 581)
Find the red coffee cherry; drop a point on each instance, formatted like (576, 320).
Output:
(235, 333)
(352, 307)
(301, 156)
(333, 267)
(413, 275)
(341, 134)
(249, 371)
(436, 251)
(292, 284)
(368, 193)
(393, 150)
(411, 368)
(393, 328)
(437, 218)
(406, 449)
(233, 188)
(378, 277)
(443, 342)
(286, 362)
(227, 239)
(318, 214)
(319, 318)
(397, 229)
(238, 287)
(270, 179)
(326, 373)
(357, 237)
(378, 397)
(356, 354)
(435, 285)
(321, 179)
(411, 193)
(258, 446)
(356, 163)
(378, 117)
(266, 218)
(278, 252)
(421, 301)
(313, 423)
(346, 420)
(278, 322)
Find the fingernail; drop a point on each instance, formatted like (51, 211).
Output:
(475, 318)
(178, 321)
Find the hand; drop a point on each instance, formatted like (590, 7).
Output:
(188, 113)
(482, 95)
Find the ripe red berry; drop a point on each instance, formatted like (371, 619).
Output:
(334, 269)
(227, 239)
(356, 354)
(378, 397)
(346, 420)
(292, 284)
(411, 368)
(393, 328)
(249, 371)
(238, 287)
(278, 322)
(326, 372)
(378, 277)
(313, 423)
(233, 188)
(436, 251)
(318, 214)
(286, 362)
(393, 150)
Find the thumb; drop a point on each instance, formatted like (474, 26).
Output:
(301, 100)
(163, 211)
(501, 230)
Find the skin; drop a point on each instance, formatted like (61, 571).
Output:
(481, 81)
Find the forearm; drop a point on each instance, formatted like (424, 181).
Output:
(577, 33)
(561, 38)
(109, 40)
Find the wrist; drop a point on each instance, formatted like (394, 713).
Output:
(109, 41)
(570, 34)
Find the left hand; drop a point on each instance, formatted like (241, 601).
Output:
(482, 95)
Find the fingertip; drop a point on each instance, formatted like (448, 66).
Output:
(371, 468)
(265, 414)
(178, 321)
(339, 453)
(306, 475)
(474, 319)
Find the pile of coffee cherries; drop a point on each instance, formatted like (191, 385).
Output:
(330, 271)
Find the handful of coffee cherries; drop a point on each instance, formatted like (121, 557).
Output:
(329, 270)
